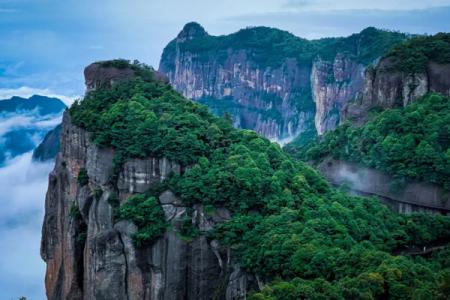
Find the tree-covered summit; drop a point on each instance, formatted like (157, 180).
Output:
(143, 116)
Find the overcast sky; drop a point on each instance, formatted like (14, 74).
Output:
(45, 44)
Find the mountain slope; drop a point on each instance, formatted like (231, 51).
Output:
(49, 147)
(270, 80)
(404, 75)
(152, 197)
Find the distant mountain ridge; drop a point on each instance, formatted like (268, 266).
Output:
(49, 147)
(270, 80)
(44, 105)
(25, 122)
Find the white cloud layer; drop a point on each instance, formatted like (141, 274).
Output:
(14, 121)
(22, 185)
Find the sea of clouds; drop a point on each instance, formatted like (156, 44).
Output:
(23, 184)
(27, 120)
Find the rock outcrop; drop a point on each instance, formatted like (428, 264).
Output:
(387, 87)
(97, 75)
(105, 74)
(90, 253)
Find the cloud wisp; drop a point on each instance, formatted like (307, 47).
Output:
(9, 122)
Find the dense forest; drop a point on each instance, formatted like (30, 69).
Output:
(302, 237)
(411, 143)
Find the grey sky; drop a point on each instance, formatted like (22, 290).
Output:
(46, 43)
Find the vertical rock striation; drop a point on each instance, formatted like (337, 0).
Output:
(333, 85)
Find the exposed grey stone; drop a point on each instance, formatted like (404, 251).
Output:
(138, 175)
(332, 95)
(169, 211)
(246, 85)
(237, 286)
(99, 164)
(168, 197)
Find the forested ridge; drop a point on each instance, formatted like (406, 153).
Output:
(270, 46)
(302, 237)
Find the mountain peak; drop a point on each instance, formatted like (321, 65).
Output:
(191, 31)
(370, 29)
(103, 74)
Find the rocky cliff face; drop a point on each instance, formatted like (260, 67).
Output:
(333, 85)
(90, 254)
(98, 76)
(259, 98)
(279, 94)
(386, 87)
